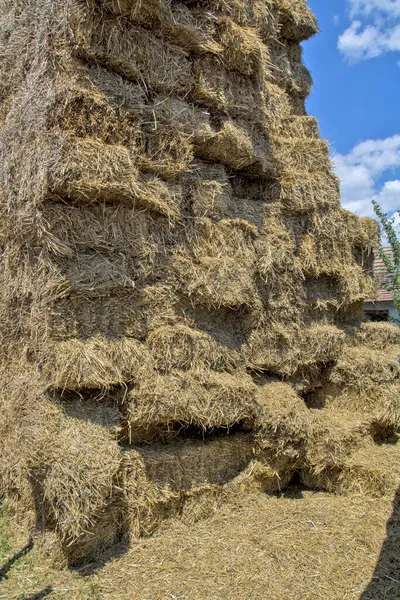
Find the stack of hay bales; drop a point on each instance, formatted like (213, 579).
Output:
(181, 290)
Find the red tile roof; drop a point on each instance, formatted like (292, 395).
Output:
(382, 275)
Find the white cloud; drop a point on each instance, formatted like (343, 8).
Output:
(374, 30)
(367, 7)
(361, 169)
(336, 20)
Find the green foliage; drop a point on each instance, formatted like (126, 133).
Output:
(392, 263)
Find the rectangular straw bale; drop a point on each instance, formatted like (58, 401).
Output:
(220, 89)
(132, 52)
(309, 155)
(216, 282)
(328, 246)
(166, 150)
(100, 248)
(287, 68)
(238, 145)
(334, 436)
(92, 363)
(284, 350)
(208, 190)
(119, 93)
(298, 191)
(84, 111)
(363, 369)
(129, 313)
(176, 112)
(258, 14)
(282, 427)
(297, 22)
(379, 406)
(243, 49)
(218, 270)
(301, 127)
(378, 336)
(87, 171)
(190, 465)
(181, 347)
(187, 480)
(210, 193)
(372, 471)
(274, 247)
(342, 290)
(159, 408)
(79, 491)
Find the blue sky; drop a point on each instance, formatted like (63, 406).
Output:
(355, 63)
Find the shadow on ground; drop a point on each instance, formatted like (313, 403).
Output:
(8, 565)
(40, 595)
(385, 583)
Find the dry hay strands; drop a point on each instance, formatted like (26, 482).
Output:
(217, 282)
(190, 28)
(378, 336)
(363, 369)
(300, 192)
(212, 193)
(94, 363)
(283, 428)
(184, 348)
(287, 68)
(379, 407)
(257, 14)
(193, 27)
(161, 407)
(275, 248)
(209, 191)
(76, 488)
(132, 313)
(372, 471)
(308, 154)
(100, 243)
(262, 476)
(166, 150)
(187, 479)
(219, 89)
(93, 107)
(108, 87)
(333, 436)
(243, 49)
(90, 110)
(199, 31)
(257, 100)
(238, 145)
(301, 127)
(85, 170)
(297, 22)
(220, 268)
(284, 350)
(132, 52)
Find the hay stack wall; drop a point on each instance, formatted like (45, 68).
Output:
(181, 292)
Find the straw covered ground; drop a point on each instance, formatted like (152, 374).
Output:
(181, 292)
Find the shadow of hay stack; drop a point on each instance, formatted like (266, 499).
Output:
(40, 595)
(181, 292)
(4, 569)
(385, 582)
